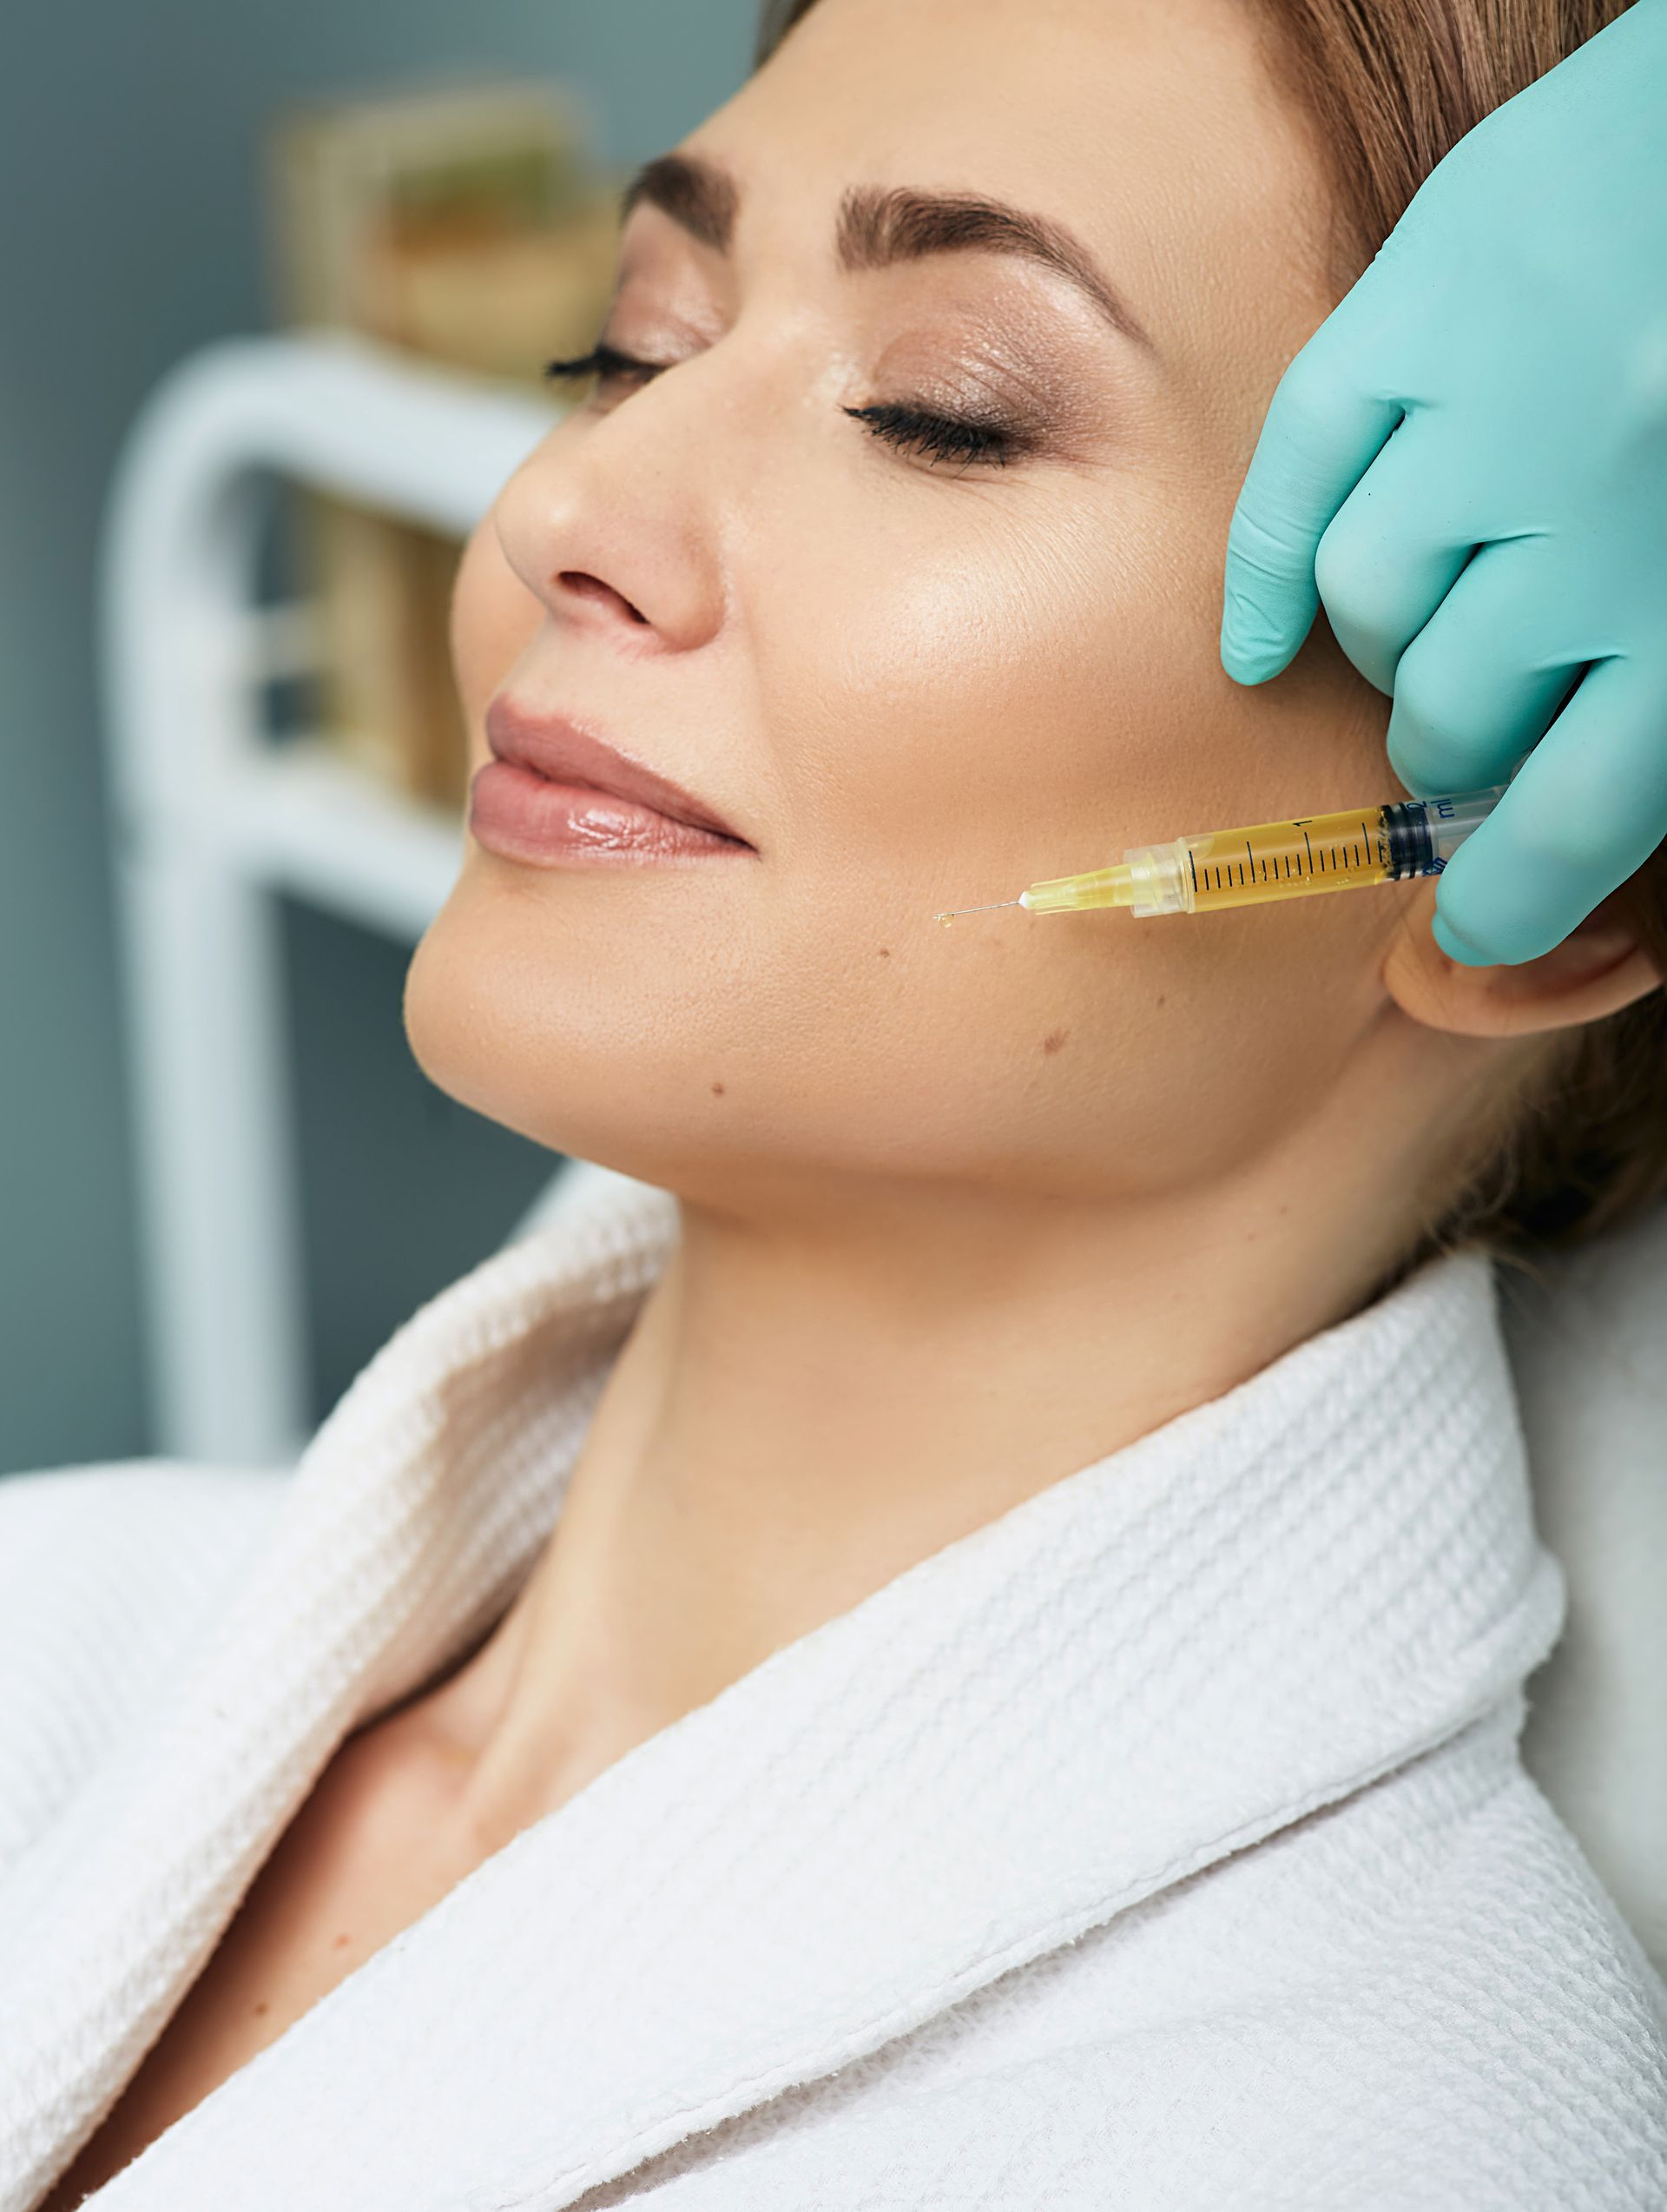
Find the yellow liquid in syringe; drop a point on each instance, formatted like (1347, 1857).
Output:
(1291, 859)
(1322, 852)
(1263, 861)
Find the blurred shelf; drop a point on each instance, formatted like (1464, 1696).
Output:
(212, 815)
(303, 818)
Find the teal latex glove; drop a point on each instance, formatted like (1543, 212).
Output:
(1467, 463)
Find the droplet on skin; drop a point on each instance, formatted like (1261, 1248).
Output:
(945, 918)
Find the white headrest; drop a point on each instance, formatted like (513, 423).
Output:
(1589, 1352)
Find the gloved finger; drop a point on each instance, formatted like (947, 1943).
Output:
(1482, 681)
(1584, 812)
(1389, 557)
(1323, 432)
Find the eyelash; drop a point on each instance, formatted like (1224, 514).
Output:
(939, 438)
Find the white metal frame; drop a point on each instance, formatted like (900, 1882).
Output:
(211, 818)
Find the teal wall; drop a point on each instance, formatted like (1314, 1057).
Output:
(131, 233)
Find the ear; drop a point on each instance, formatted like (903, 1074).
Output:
(1596, 971)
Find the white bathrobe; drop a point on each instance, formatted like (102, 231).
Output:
(1163, 1843)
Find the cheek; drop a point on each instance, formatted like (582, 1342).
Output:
(986, 684)
(1003, 686)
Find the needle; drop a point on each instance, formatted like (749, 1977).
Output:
(947, 918)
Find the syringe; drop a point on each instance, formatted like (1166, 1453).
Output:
(1270, 859)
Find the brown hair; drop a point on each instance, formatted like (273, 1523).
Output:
(1580, 1147)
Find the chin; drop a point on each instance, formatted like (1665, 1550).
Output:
(673, 1064)
(580, 1069)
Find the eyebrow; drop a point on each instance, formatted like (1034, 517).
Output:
(878, 229)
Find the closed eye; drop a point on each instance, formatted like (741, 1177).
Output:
(936, 438)
(940, 438)
(602, 360)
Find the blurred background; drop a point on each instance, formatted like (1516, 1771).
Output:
(231, 784)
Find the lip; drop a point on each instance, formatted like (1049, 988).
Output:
(564, 752)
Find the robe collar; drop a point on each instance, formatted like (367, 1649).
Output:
(1245, 1614)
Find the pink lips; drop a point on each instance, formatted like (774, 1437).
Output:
(557, 791)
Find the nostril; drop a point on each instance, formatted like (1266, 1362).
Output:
(587, 586)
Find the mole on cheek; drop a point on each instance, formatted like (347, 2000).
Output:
(717, 1089)
(885, 951)
(1054, 1040)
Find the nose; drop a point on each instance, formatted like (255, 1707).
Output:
(609, 524)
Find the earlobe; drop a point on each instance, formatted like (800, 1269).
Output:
(1600, 968)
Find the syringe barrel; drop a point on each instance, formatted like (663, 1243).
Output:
(1306, 855)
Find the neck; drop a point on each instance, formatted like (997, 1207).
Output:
(808, 1405)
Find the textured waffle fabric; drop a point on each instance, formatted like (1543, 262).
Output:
(1164, 1843)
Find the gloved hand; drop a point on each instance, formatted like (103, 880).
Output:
(1469, 460)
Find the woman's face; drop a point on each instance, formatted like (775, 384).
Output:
(910, 681)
